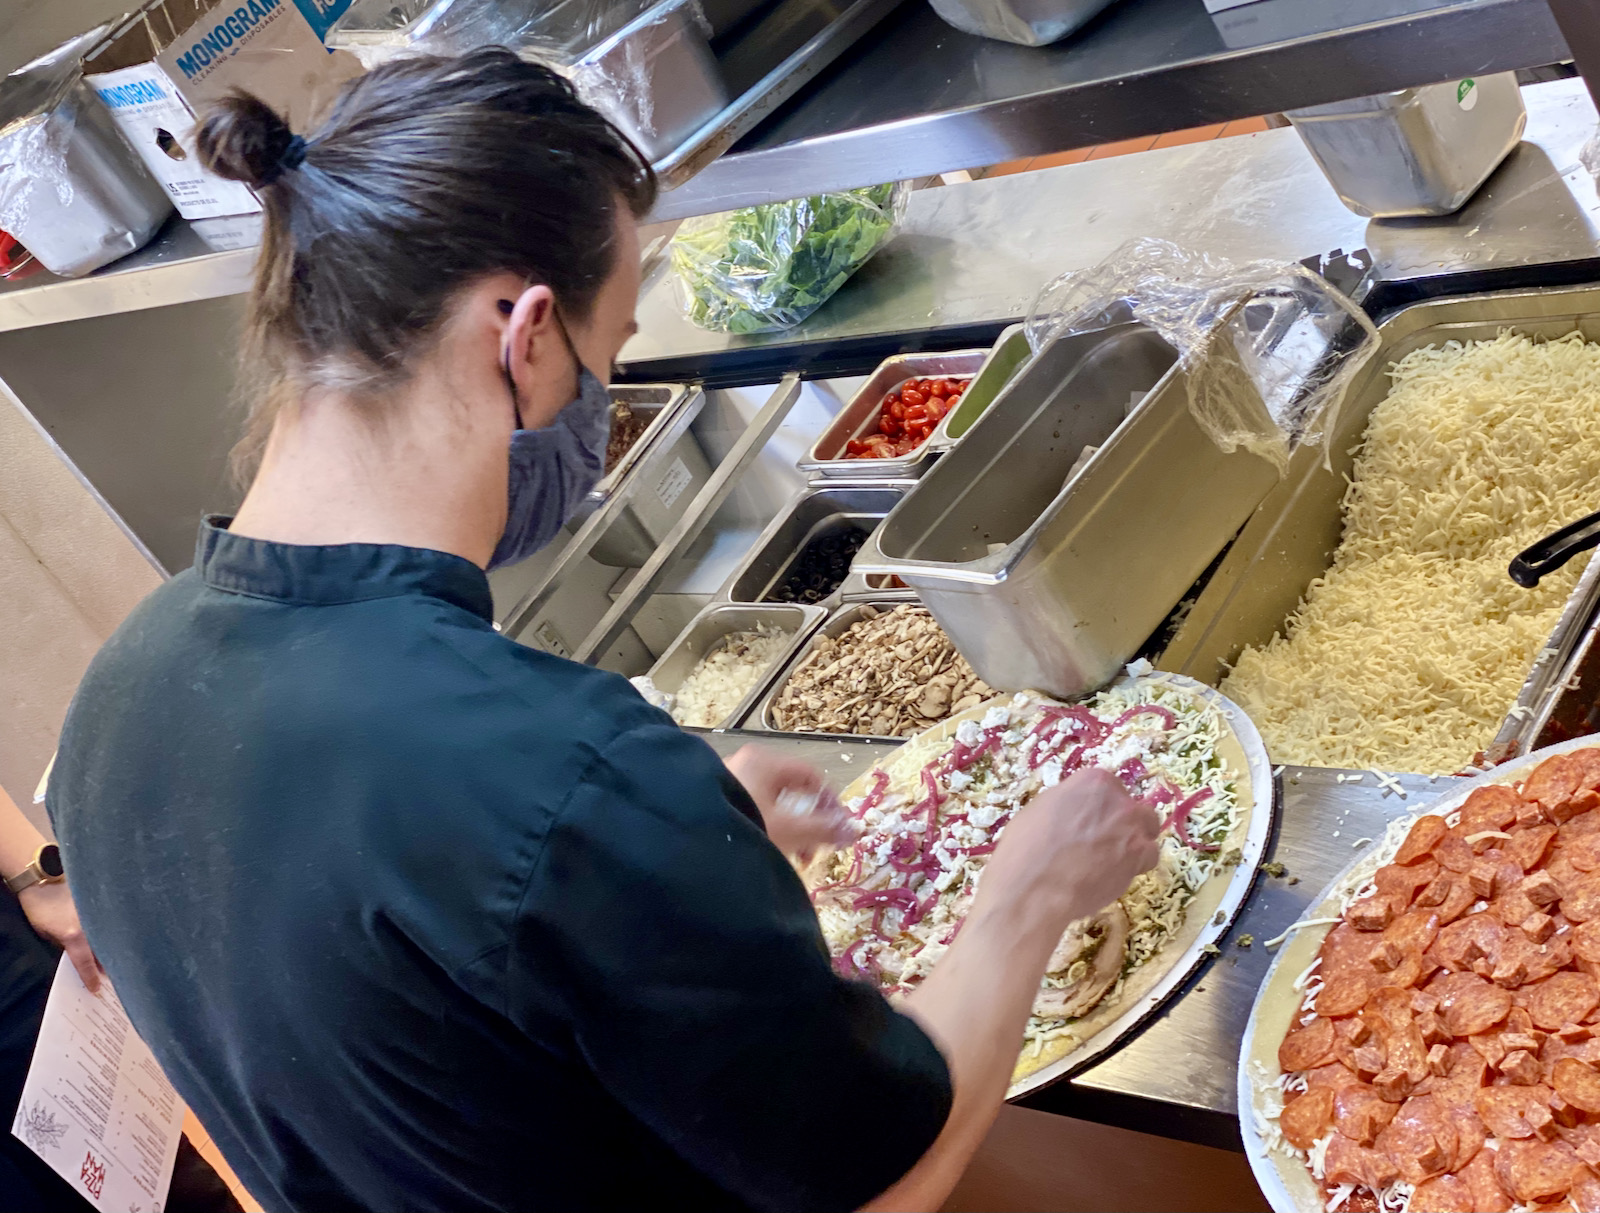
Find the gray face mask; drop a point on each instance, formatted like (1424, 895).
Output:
(553, 469)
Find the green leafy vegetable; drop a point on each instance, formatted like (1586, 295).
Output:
(769, 267)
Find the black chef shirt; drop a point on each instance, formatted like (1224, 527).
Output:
(417, 918)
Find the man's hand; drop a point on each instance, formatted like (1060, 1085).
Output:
(800, 813)
(1075, 848)
(51, 913)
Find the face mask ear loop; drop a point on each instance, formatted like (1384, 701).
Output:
(506, 307)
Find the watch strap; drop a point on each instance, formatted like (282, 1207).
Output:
(35, 872)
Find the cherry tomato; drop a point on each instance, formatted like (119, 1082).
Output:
(937, 408)
(916, 412)
(898, 410)
(854, 447)
(910, 396)
(939, 388)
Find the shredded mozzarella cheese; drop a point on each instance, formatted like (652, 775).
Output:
(1407, 653)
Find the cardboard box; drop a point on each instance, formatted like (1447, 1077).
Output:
(148, 110)
(161, 64)
(266, 47)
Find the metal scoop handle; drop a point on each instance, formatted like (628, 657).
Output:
(1554, 550)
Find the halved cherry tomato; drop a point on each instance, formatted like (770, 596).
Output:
(937, 408)
(911, 396)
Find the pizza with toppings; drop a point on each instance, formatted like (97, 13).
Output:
(891, 904)
(1443, 1048)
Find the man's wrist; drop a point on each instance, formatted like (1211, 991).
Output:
(43, 869)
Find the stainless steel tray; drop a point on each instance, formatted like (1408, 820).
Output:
(722, 619)
(1009, 354)
(760, 717)
(825, 459)
(1050, 570)
(766, 62)
(1291, 538)
(814, 511)
(660, 402)
(654, 482)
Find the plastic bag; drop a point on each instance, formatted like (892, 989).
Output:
(766, 268)
(1268, 348)
(72, 189)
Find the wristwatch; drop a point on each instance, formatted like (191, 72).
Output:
(45, 869)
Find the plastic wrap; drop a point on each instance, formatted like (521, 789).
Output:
(71, 187)
(377, 30)
(1268, 348)
(766, 268)
(645, 64)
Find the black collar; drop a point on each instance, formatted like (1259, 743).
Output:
(328, 574)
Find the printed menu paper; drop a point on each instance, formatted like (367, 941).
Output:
(96, 1106)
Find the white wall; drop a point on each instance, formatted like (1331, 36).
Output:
(68, 575)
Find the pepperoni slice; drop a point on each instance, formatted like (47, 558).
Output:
(1360, 1113)
(1335, 1076)
(1309, 1046)
(1400, 883)
(1581, 901)
(1585, 1195)
(1576, 1083)
(1307, 1117)
(1425, 834)
(1487, 1194)
(1470, 1133)
(1420, 1140)
(1470, 1005)
(1475, 937)
(1521, 962)
(1562, 998)
(1537, 1170)
(1504, 1110)
(1583, 852)
(1529, 845)
(1441, 1194)
(1458, 899)
(1347, 1163)
(1489, 808)
(1414, 930)
(1553, 781)
(1586, 941)
(1346, 993)
(1453, 852)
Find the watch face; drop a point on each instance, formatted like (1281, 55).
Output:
(50, 860)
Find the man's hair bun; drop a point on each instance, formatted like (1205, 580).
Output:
(243, 139)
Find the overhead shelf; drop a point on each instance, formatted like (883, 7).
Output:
(915, 97)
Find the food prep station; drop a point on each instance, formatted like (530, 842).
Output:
(1068, 497)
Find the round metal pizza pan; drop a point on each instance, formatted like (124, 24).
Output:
(1284, 1179)
(1191, 943)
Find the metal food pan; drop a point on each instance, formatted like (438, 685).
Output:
(1054, 539)
(658, 476)
(1009, 354)
(836, 624)
(815, 511)
(658, 401)
(719, 620)
(1291, 538)
(825, 458)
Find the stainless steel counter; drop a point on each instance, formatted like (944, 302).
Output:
(1176, 1075)
(917, 97)
(979, 252)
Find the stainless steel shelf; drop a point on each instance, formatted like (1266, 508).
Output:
(976, 254)
(916, 97)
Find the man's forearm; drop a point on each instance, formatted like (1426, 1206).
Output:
(19, 840)
(975, 1005)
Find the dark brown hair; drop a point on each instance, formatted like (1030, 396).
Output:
(427, 174)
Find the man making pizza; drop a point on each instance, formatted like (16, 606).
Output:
(418, 918)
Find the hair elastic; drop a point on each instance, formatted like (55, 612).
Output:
(292, 157)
